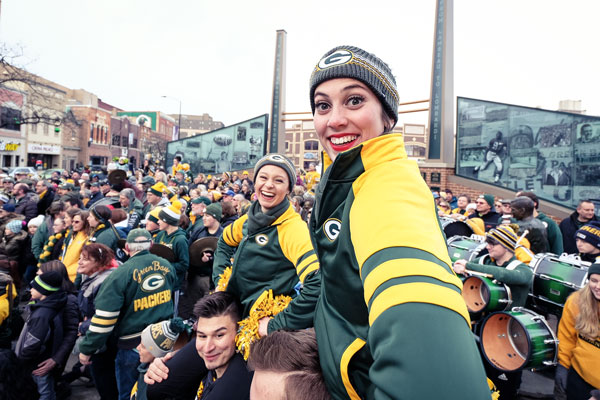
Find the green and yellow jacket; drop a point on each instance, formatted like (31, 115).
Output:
(390, 322)
(518, 278)
(107, 236)
(276, 256)
(178, 242)
(135, 295)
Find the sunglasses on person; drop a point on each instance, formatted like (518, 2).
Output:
(491, 242)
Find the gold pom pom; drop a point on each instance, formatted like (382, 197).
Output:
(224, 280)
(265, 306)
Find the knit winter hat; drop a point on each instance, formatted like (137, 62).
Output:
(37, 221)
(280, 161)
(594, 269)
(154, 215)
(201, 199)
(215, 211)
(171, 214)
(47, 283)
(488, 199)
(160, 337)
(353, 62)
(505, 236)
(590, 233)
(15, 226)
(157, 189)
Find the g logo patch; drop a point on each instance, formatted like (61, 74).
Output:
(153, 282)
(261, 239)
(332, 228)
(337, 58)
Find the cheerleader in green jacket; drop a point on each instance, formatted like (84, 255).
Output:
(390, 322)
(271, 249)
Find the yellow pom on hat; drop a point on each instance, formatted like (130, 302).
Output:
(157, 189)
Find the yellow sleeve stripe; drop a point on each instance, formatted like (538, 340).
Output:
(308, 270)
(419, 292)
(99, 321)
(304, 263)
(398, 268)
(233, 234)
(344, 361)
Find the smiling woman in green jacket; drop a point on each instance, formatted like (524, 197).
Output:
(390, 322)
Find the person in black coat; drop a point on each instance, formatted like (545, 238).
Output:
(25, 202)
(46, 194)
(584, 214)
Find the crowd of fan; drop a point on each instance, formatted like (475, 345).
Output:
(60, 240)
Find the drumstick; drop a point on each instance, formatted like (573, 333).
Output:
(468, 271)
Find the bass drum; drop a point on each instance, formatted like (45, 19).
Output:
(518, 339)
(452, 227)
(484, 294)
(465, 248)
(555, 278)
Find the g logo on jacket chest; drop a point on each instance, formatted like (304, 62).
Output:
(332, 228)
(261, 239)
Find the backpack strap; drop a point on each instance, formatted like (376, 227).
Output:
(513, 264)
(482, 259)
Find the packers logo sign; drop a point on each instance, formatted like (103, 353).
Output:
(153, 282)
(338, 58)
(332, 228)
(262, 239)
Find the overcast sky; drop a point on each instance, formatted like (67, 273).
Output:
(217, 56)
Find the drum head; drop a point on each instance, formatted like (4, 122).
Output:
(505, 342)
(200, 246)
(117, 176)
(476, 294)
(162, 251)
(457, 228)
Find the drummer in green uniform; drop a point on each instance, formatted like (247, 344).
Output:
(502, 265)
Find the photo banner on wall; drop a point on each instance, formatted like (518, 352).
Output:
(235, 147)
(554, 154)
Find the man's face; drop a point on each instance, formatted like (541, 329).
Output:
(75, 176)
(268, 385)
(209, 220)
(462, 202)
(20, 176)
(8, 186)
(162, 225)
(586, 131)
(152, 198)
(198, 209)
(124, 200)
(482, 206)
(40, 187)
(16, 191)
(94, 189)
(152, 226)
(496, 251)
(505, 208)
(586, 211)
(215, 341)
(517, 212)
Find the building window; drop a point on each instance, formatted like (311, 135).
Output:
(10, 119)
(91, 131)
(135, 143)
(45, 128)
(7, 161)
(311, 145)
(116, 140)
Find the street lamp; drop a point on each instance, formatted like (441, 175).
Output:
(179, 125)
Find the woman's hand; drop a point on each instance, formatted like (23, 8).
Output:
(263, 326)
(560, 377)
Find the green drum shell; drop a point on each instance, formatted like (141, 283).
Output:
(483, 294)
(555, 292)
(460, 247)
(535, 334)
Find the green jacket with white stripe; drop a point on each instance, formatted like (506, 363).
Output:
(133, 296)
(390, 322)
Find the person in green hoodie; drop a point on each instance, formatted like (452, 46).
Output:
(390, 322)
(103, 230)
(175, 238)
